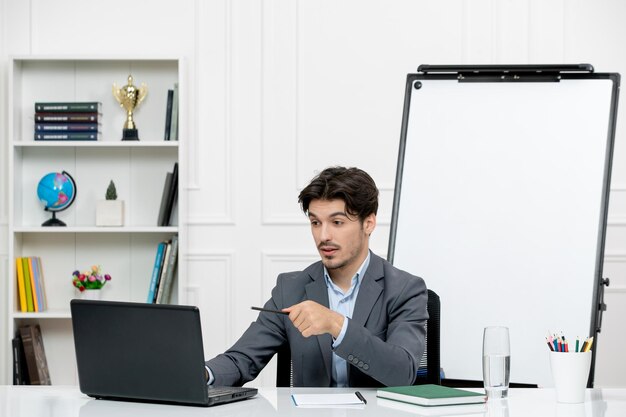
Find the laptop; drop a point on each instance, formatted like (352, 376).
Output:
(144, 352)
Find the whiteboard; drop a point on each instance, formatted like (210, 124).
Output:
(500, 205)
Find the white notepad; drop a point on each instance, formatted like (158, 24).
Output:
(327, 400)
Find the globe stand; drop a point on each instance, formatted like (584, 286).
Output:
(53, 221)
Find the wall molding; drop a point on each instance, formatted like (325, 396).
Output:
(616, 221)
(617, 289)
(615, 256)
(284, 256)
(192, 140)
(228, 110)
(210, 42)
(192, 290)
(279, 109)
(272, 258)
(209, 256)
(5, 353)
(210, 221)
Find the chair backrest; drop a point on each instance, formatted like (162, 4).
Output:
(284, 369)
(429, 369)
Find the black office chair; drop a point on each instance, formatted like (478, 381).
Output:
(429, 369)
(284, 370)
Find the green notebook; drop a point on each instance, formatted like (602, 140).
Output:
(431, 395)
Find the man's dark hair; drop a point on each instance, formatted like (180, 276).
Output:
(352, 185)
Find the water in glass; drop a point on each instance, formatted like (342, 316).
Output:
(496, 372)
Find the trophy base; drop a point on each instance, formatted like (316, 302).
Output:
(130, 134)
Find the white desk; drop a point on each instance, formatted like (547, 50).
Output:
(69, 402)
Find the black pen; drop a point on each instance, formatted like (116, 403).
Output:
(267, 310)
(361, 397)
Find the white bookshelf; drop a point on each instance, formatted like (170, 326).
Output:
(138, 169)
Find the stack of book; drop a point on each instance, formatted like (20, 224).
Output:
(68, 121)
(30, 366)
(163, 272)
(171, 114)
(31, 290)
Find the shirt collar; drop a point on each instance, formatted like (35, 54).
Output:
(355, 279)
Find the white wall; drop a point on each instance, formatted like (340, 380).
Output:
(283, 88)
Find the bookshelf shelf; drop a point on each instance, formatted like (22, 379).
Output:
(50, 314)
(95, 144)
(138, 169)
(97, 230)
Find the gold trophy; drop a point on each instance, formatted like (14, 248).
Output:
(130, 97)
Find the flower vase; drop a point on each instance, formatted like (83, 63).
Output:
(91, 294)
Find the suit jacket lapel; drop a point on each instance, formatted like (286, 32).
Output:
(369, 291)
(317, 291)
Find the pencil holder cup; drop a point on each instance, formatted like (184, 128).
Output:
(570, 371)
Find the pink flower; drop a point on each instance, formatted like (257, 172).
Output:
(90, 279)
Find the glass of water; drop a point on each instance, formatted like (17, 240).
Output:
(496, 361)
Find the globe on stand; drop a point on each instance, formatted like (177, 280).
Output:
(56, 191)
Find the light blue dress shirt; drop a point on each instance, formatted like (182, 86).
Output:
(343, 303)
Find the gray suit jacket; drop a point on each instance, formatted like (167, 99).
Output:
(382, 345)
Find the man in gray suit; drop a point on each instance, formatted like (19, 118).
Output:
(353, 319)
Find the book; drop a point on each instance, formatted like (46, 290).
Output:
(158, 263)
(29, 290)
(465, 410)
(172, 196)
(15, 347)
(174, 215)
(20, 370)
(41, 281)
(77, 107)
(168, 114)
(169, 197)
(68, 127)
(35, 268)
(35, 355)
(164, 198)
(33, 287)
(21, 288)
(166, 282)
(67, 117)
(430, 395)
(174, 123)
(68, 136)
(40, 355)
(162, 272)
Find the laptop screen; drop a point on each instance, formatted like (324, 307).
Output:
(137, 351)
